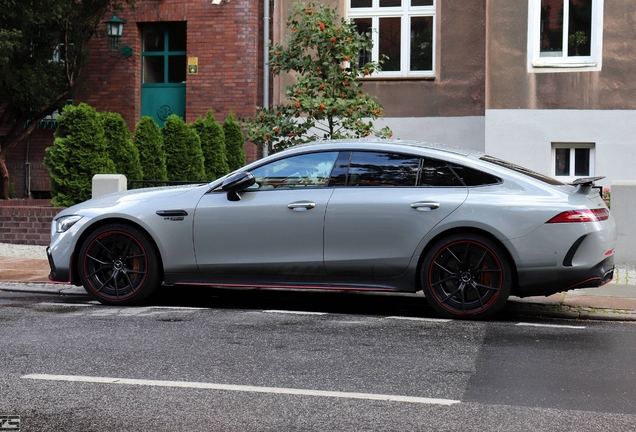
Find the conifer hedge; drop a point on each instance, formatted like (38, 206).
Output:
(184, 157)
(120, 146)
(213, 146)
(234, 141)
(149, 142)
(79, 151)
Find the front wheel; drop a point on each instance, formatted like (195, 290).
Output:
(466, 276)
(118, 265)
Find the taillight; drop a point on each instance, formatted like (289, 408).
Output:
(588, 215)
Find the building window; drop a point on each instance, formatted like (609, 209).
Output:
(402, 30)
(565, 35)
(572, 160)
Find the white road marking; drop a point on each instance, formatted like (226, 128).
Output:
(177, 308)
(550, 325)
(64, 304)
(243, 388)
(294, 312)
(439, 320)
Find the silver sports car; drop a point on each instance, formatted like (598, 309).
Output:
(466, 228)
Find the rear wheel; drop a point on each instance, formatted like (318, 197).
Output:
(118, 265)
(466, 276)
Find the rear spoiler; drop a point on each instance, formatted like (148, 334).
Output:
(585, 183)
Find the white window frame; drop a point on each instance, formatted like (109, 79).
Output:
(406, 12)
(572, 147)
(539, 64)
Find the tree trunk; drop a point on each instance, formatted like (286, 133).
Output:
(4, 179)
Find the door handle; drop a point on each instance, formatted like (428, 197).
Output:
(301, 205)
(425, 206)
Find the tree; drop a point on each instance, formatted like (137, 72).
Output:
(80, 151)
(213, 146)
(42, 55)
(234, 141)
(120, 146)
(326, 100)
(149, 142)
(184, 157)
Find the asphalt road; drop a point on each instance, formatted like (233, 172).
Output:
(231, 360)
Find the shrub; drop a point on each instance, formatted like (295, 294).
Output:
(79, 152)
(234, 141)
(149, 142)
(213, 146)
(120, 146)
(184, 157)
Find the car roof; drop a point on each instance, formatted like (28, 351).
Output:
(386, 143)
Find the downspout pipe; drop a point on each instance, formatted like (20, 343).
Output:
(266, 19)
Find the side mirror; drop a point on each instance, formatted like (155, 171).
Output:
(237, 182)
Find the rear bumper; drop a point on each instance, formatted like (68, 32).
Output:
(554, 281)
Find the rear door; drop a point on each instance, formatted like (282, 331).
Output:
(382, 207)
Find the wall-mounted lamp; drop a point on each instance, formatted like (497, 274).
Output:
(115, 28)
(218, 2)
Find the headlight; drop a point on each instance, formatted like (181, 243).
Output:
(64, 223)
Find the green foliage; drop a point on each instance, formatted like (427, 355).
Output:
(234, 141)
(80, 151)
(43, 50)
(149, 142)
(213, 146)
(326, 100)
(120, 146)
(184, 157)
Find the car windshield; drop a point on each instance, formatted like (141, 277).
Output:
(522, 170)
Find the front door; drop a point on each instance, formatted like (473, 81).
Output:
(163, 70)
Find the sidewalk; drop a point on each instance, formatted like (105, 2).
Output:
(25, 268)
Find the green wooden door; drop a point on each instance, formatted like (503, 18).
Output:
(163, 72)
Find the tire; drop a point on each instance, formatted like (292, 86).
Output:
(118, 265)
(466, 276)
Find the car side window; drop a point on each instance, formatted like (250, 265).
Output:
(436, 173)
(473, 177)
(382, 169)
(306, 170)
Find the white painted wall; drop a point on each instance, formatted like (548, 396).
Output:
(525, 137)
(467, 132)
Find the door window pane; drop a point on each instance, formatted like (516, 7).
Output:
(390, 39)
(153, 69)
(390, 3)
(153, 38)
(177, 36)
(421, 43)
(382, 169)
(421, 2)
(308, 170)
(177, 66)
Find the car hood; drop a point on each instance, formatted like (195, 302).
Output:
(134, 195)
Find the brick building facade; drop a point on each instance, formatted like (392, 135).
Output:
(225, 41)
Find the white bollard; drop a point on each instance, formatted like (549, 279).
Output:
(104, 184)
(623, 206)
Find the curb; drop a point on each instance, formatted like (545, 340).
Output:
(512, 307)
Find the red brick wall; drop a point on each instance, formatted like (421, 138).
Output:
(31, 151)
(23, 224)
(226, 38)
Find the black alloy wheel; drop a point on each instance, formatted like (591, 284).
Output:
(118, 265)
(466, 276)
